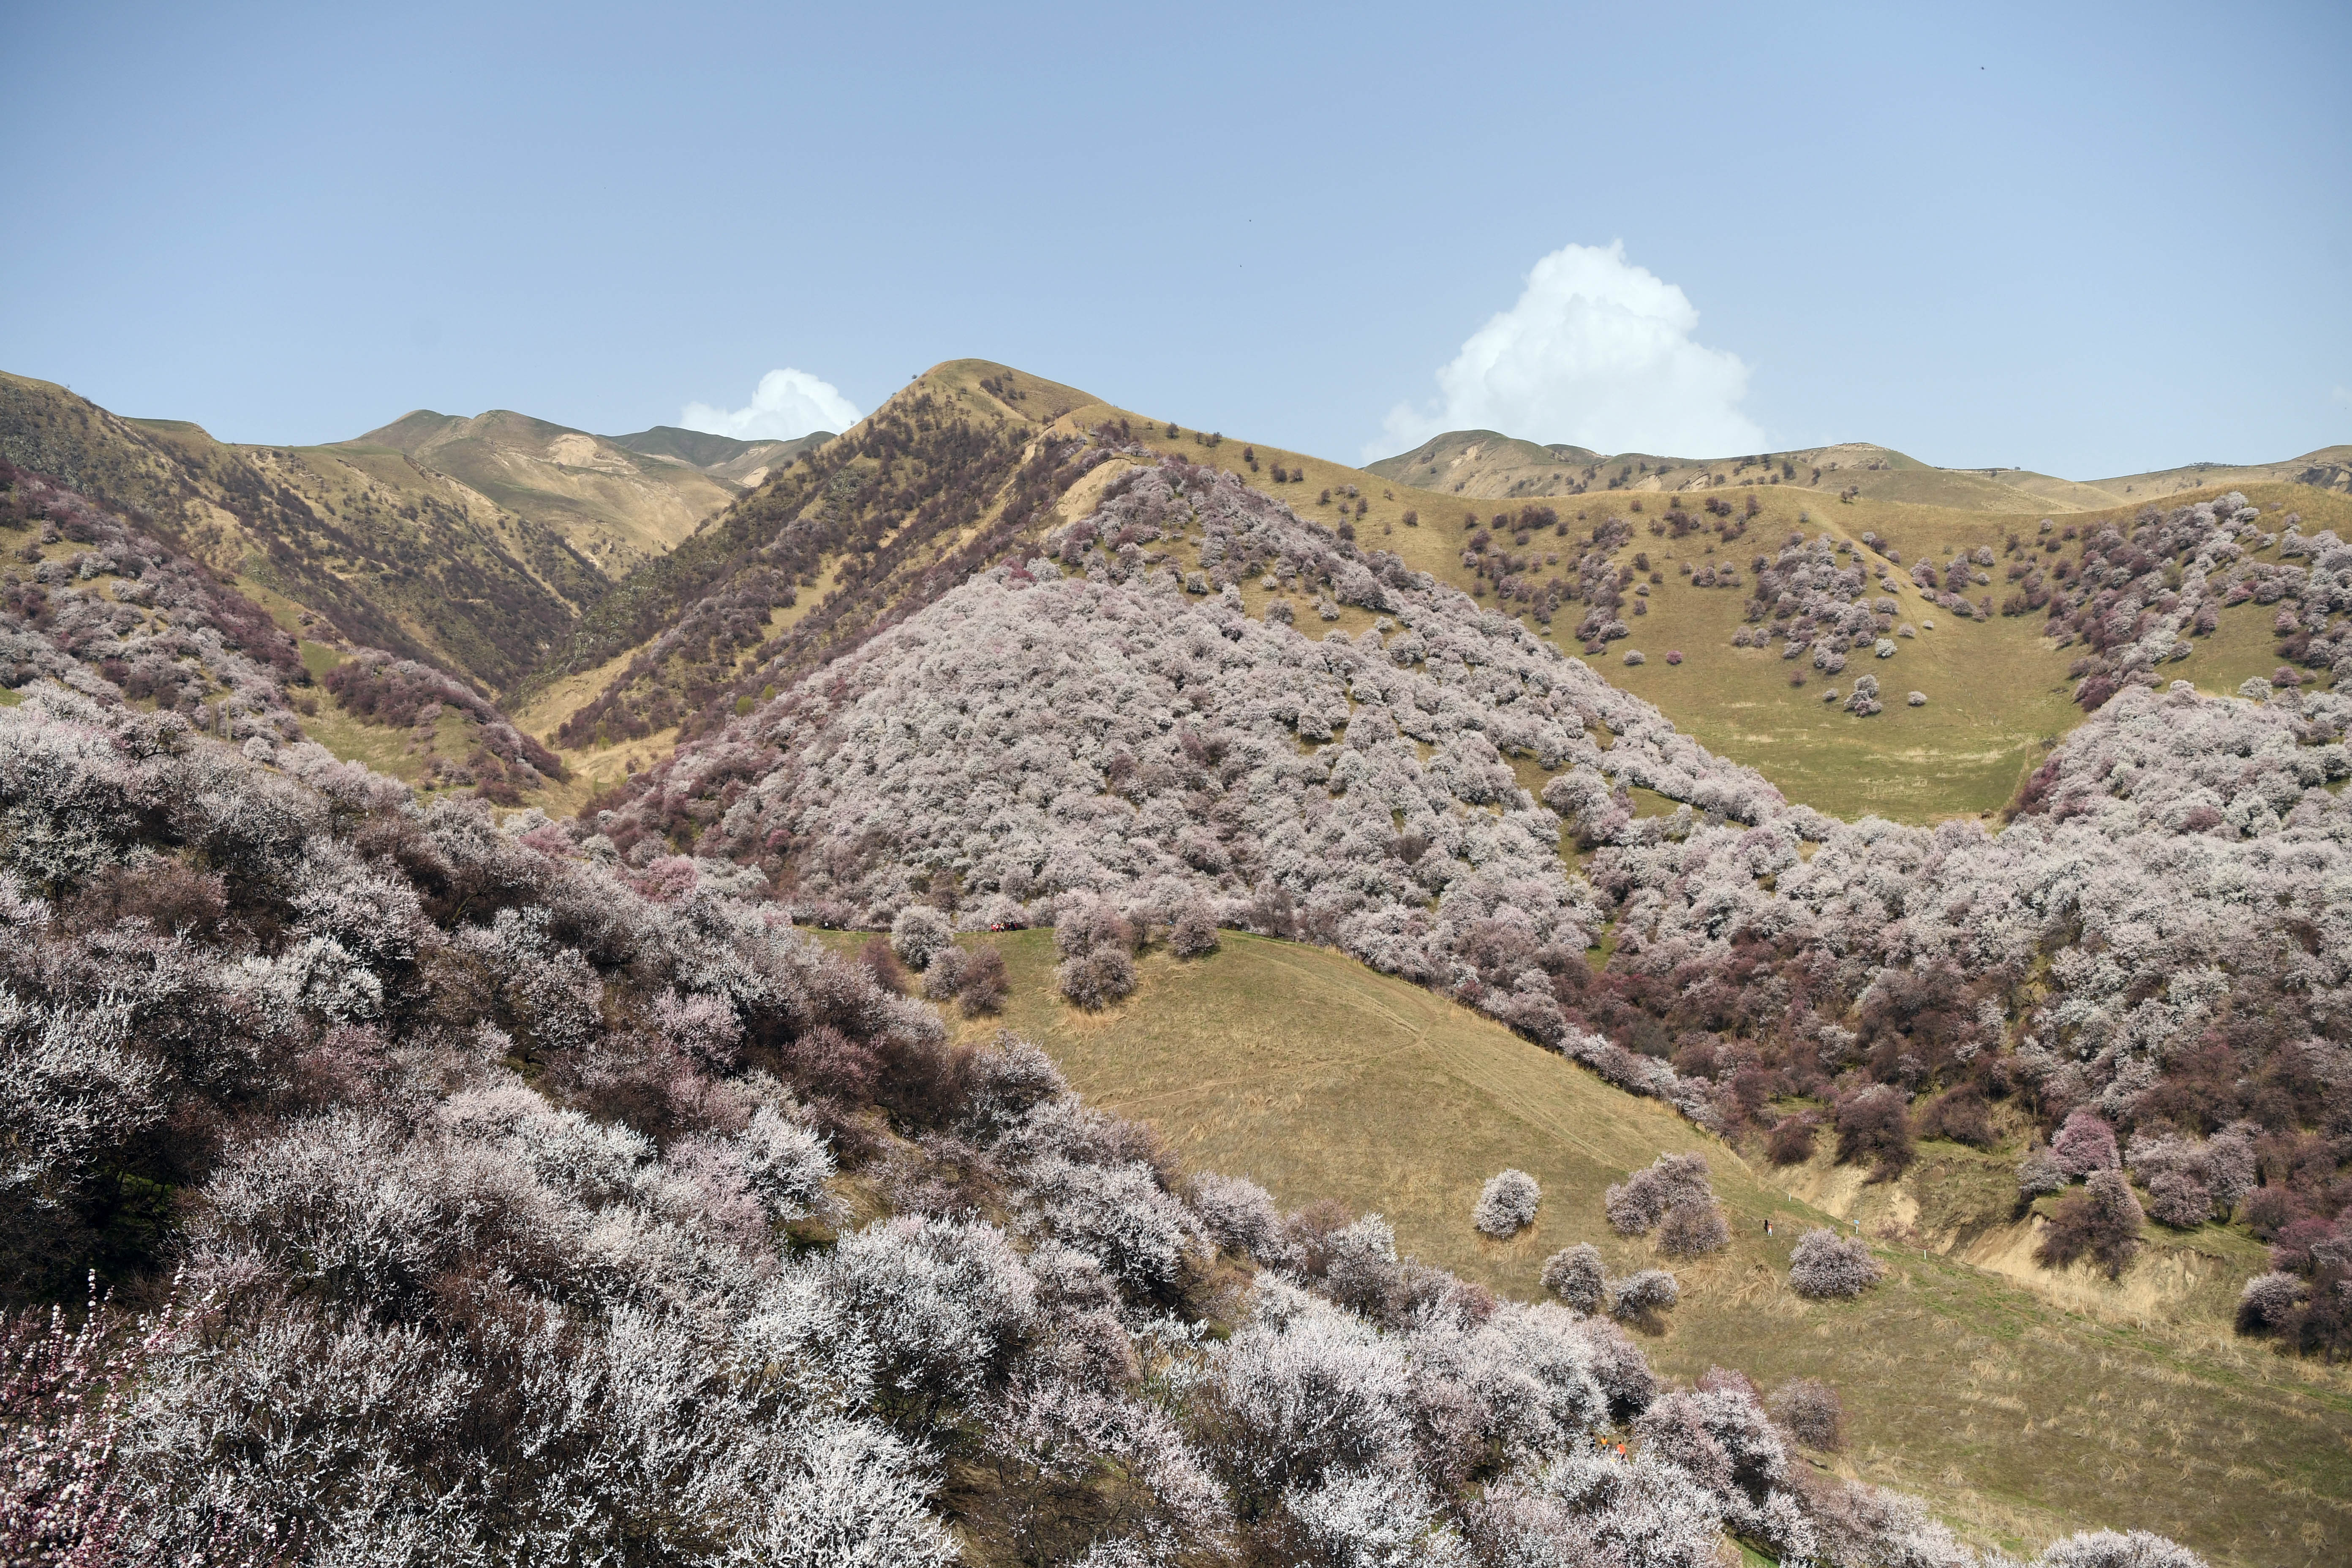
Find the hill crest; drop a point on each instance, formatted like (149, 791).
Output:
(1491, 466)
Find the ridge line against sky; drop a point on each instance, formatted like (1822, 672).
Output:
(2089, 240)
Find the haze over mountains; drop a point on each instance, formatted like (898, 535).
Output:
(1952, 853)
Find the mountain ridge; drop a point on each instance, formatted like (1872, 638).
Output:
(615, 506)
(1492, 465)
(746, 462)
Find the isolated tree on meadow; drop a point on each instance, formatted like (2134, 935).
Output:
(1826, 1266)
(1575, 1277)
(1694, 1229)
(1097, 944)
(1507, 1204)
(1636, 1205)
(1640, 1296)
(1813, 1412)
(919, 933)
(1193, 932)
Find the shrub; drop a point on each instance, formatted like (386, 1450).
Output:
(2270, 1210)
(1825, 1265)
(1812, 1413)
(2180, 1200)
(1193, 932)
(1873, 1125)
(1961, 1115)
(1791, 1140)
(1674, 656)
(1640, 1296)
(944, 975)
(1636, 1205)
(1690, 1230)
(1719, 1436)
(2186, 1179)
(2305, 1244)
(1507, 1204)
(983, 987)
(882, 963)
(1635, 656)
(1097, 944)
(1917, 699)
(1574, 1276)
(2103, 1220)
(1095, 980)
(919, 933)
(1092, 926)
(2039, 1173)
(2268, 1300)
(1235, 1213)
(2112, 1549)
(2084, 1144)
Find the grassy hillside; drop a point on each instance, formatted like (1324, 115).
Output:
(744, 462)
(2328, 468)
(1998, 692)
(939, 482)
(615, 504)
(379, 551)
(2019, 1410)
(1486, 465)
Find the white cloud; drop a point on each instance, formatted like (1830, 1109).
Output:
(789, 403)
(1597, 353)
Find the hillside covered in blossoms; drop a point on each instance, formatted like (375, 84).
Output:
(465, 1187)
(525, 1216)
(2156, 939)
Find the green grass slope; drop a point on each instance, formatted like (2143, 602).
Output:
(2019, 1412)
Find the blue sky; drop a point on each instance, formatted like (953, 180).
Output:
(2086, 239)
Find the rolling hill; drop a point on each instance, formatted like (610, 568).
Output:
(1486, 465)
(472, 545)
(685, 642)
(1175, 727)
(744, 462)
(1999, 691)
(375, 549)
(617, 501)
